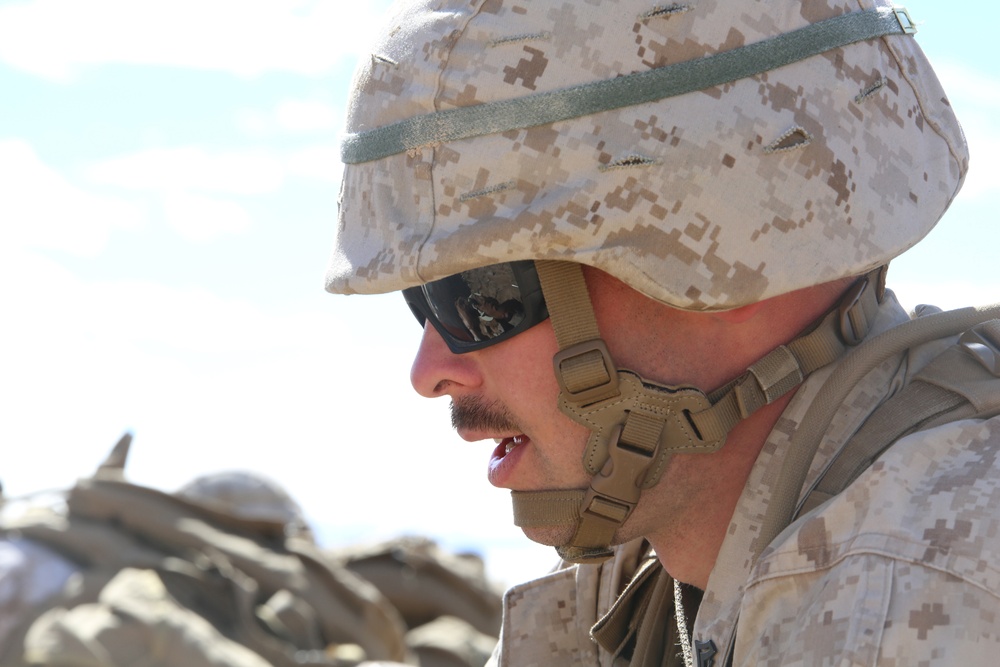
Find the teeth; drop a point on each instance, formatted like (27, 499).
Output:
(511, 442)
(514, 442)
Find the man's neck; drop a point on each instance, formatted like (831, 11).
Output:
(689, 547)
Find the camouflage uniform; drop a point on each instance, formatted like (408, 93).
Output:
(897, 570)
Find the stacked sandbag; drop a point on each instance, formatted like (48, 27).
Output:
(220, 573)
(224, 572)
(450, 608)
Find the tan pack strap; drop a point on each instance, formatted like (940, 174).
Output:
(785, 367)
(583, 366)
(906, 412)
(963, 382)
(656, 640)
(982, 342)
(858, 363)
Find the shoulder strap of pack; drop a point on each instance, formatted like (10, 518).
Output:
(936, 399)
(963, 382)
(858, 363)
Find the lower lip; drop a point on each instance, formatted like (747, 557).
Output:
(502, 463)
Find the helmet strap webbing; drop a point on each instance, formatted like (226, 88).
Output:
(625, 90)
(637, 425)
(634, 426)
(785, 367)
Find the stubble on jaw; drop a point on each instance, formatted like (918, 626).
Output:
(475, 414)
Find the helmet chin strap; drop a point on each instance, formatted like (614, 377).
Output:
(637, 425)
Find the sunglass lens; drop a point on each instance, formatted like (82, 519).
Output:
(477, 305)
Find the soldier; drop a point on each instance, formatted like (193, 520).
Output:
(743, 448)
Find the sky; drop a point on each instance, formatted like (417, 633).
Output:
(168, 177)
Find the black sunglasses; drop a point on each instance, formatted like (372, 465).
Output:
(480, 307)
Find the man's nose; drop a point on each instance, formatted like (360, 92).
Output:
(437, 371)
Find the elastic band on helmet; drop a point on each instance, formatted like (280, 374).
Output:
(624, 91)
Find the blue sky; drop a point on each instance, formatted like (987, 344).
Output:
(168, 176)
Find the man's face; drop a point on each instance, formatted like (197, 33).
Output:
(508, 392)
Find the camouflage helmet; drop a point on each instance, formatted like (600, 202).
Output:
(709, 155)
(772, 176)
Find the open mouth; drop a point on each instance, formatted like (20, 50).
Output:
(504, 460)
(506, 445)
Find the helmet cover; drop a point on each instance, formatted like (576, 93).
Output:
(817, 170)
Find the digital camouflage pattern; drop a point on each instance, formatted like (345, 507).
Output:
(548, 621)
(899, 569)
(710, 200)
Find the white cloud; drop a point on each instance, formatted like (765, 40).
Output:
(254, 122)
(307, 115)
(292, 117)
(320, 163)
(192, 168)
(55, 38)
(203, 193)
(198, 192)
(40, 208)
(235, 173)
(196, 187)
(200, 219)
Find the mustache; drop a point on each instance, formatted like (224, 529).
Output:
(475, 414)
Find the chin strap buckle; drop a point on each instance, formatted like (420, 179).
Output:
(615, 489)
(586, 373)
(613, 494)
